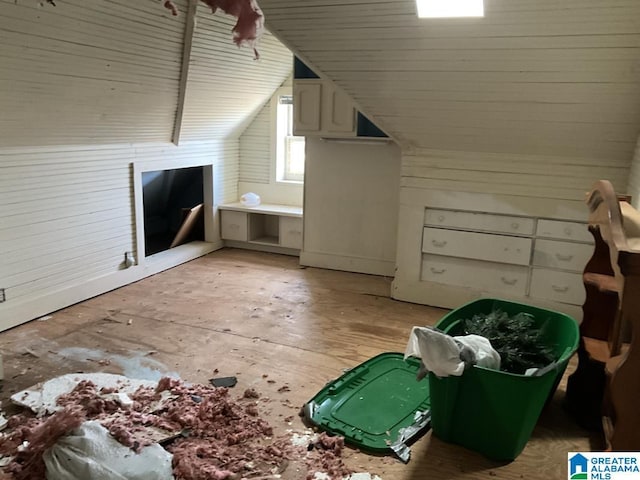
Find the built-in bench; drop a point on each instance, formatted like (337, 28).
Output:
(268, 227)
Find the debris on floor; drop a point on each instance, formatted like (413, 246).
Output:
(206, 433)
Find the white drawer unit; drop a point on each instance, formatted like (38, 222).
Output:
(272, 228)
(564, 230)
(480, 246)
(479, 221)
(561, 255)
(233, 225)
(291, 232)
(563, 287)
(485, 276)
(526, 258)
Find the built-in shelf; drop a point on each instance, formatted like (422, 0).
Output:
(276, 228)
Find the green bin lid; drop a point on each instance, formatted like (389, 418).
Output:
(370, 403)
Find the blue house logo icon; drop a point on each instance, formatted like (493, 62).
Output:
(578, 467)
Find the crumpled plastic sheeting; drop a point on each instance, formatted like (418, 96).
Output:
(41, 398)
(445, 355)
(90, 452)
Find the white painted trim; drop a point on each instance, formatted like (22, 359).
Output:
(270, 208)
(184, 73)
(17, 313)
(348, 264)
(493, 203)
(211, 235)
(262, 248)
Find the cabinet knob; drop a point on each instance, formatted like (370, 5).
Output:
(437, 271)
(438, 243)
(568, 231)
(560, 288)
(441, 218)
(509, 281)
(515, 225)
(564, 258)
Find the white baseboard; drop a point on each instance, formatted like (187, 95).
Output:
(262, 248)
(13, 314)
(348, 264)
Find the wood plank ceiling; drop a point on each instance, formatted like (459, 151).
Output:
(538, 77)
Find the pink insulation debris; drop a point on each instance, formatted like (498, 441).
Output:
(40, 435)
(211, 435)
(250, 25)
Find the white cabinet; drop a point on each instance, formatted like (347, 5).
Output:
(475, 274)
(321, 108)
(307, 103)
(481, 246)
(291, 232)
(535, 260)
(274, 228)
(233, 226)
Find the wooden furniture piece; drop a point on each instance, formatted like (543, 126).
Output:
(606, 383)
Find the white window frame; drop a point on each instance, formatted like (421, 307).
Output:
(278, 164)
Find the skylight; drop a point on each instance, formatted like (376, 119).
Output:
(450, 8)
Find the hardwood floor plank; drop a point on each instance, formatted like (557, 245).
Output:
(264, 319)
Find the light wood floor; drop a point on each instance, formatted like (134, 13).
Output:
(252, 314)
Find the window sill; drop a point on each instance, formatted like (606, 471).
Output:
(289, 182)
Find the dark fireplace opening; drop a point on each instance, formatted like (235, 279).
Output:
(173, 208)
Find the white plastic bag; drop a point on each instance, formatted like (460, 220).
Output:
(250, 199)
(445, 355)
(90, 452)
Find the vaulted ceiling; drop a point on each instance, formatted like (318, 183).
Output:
(542, 77)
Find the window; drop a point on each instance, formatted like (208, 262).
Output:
(289, 148)
(450, 8)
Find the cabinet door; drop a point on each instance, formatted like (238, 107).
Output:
(307, 95)
(233, 225)
(560, 286)
(338, 111)
(291, 232)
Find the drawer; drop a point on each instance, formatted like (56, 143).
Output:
(233, 225)
(564, 255)
(291, 232)
(564, 230)
(485, 276)
(480, 246)
(478, 221)
(559, 286)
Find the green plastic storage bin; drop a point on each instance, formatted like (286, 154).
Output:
(490, 411)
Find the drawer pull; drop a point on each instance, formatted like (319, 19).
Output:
(294, 232)
(568, 231)
(438, 243)
(441, 218)
(437, 271)
(509, 281)
(234, 226)
(560, 289)
(515, 225)
(564, 258)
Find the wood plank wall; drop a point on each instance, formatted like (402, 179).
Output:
(255, 149)
(88, 88)
(536, 176)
